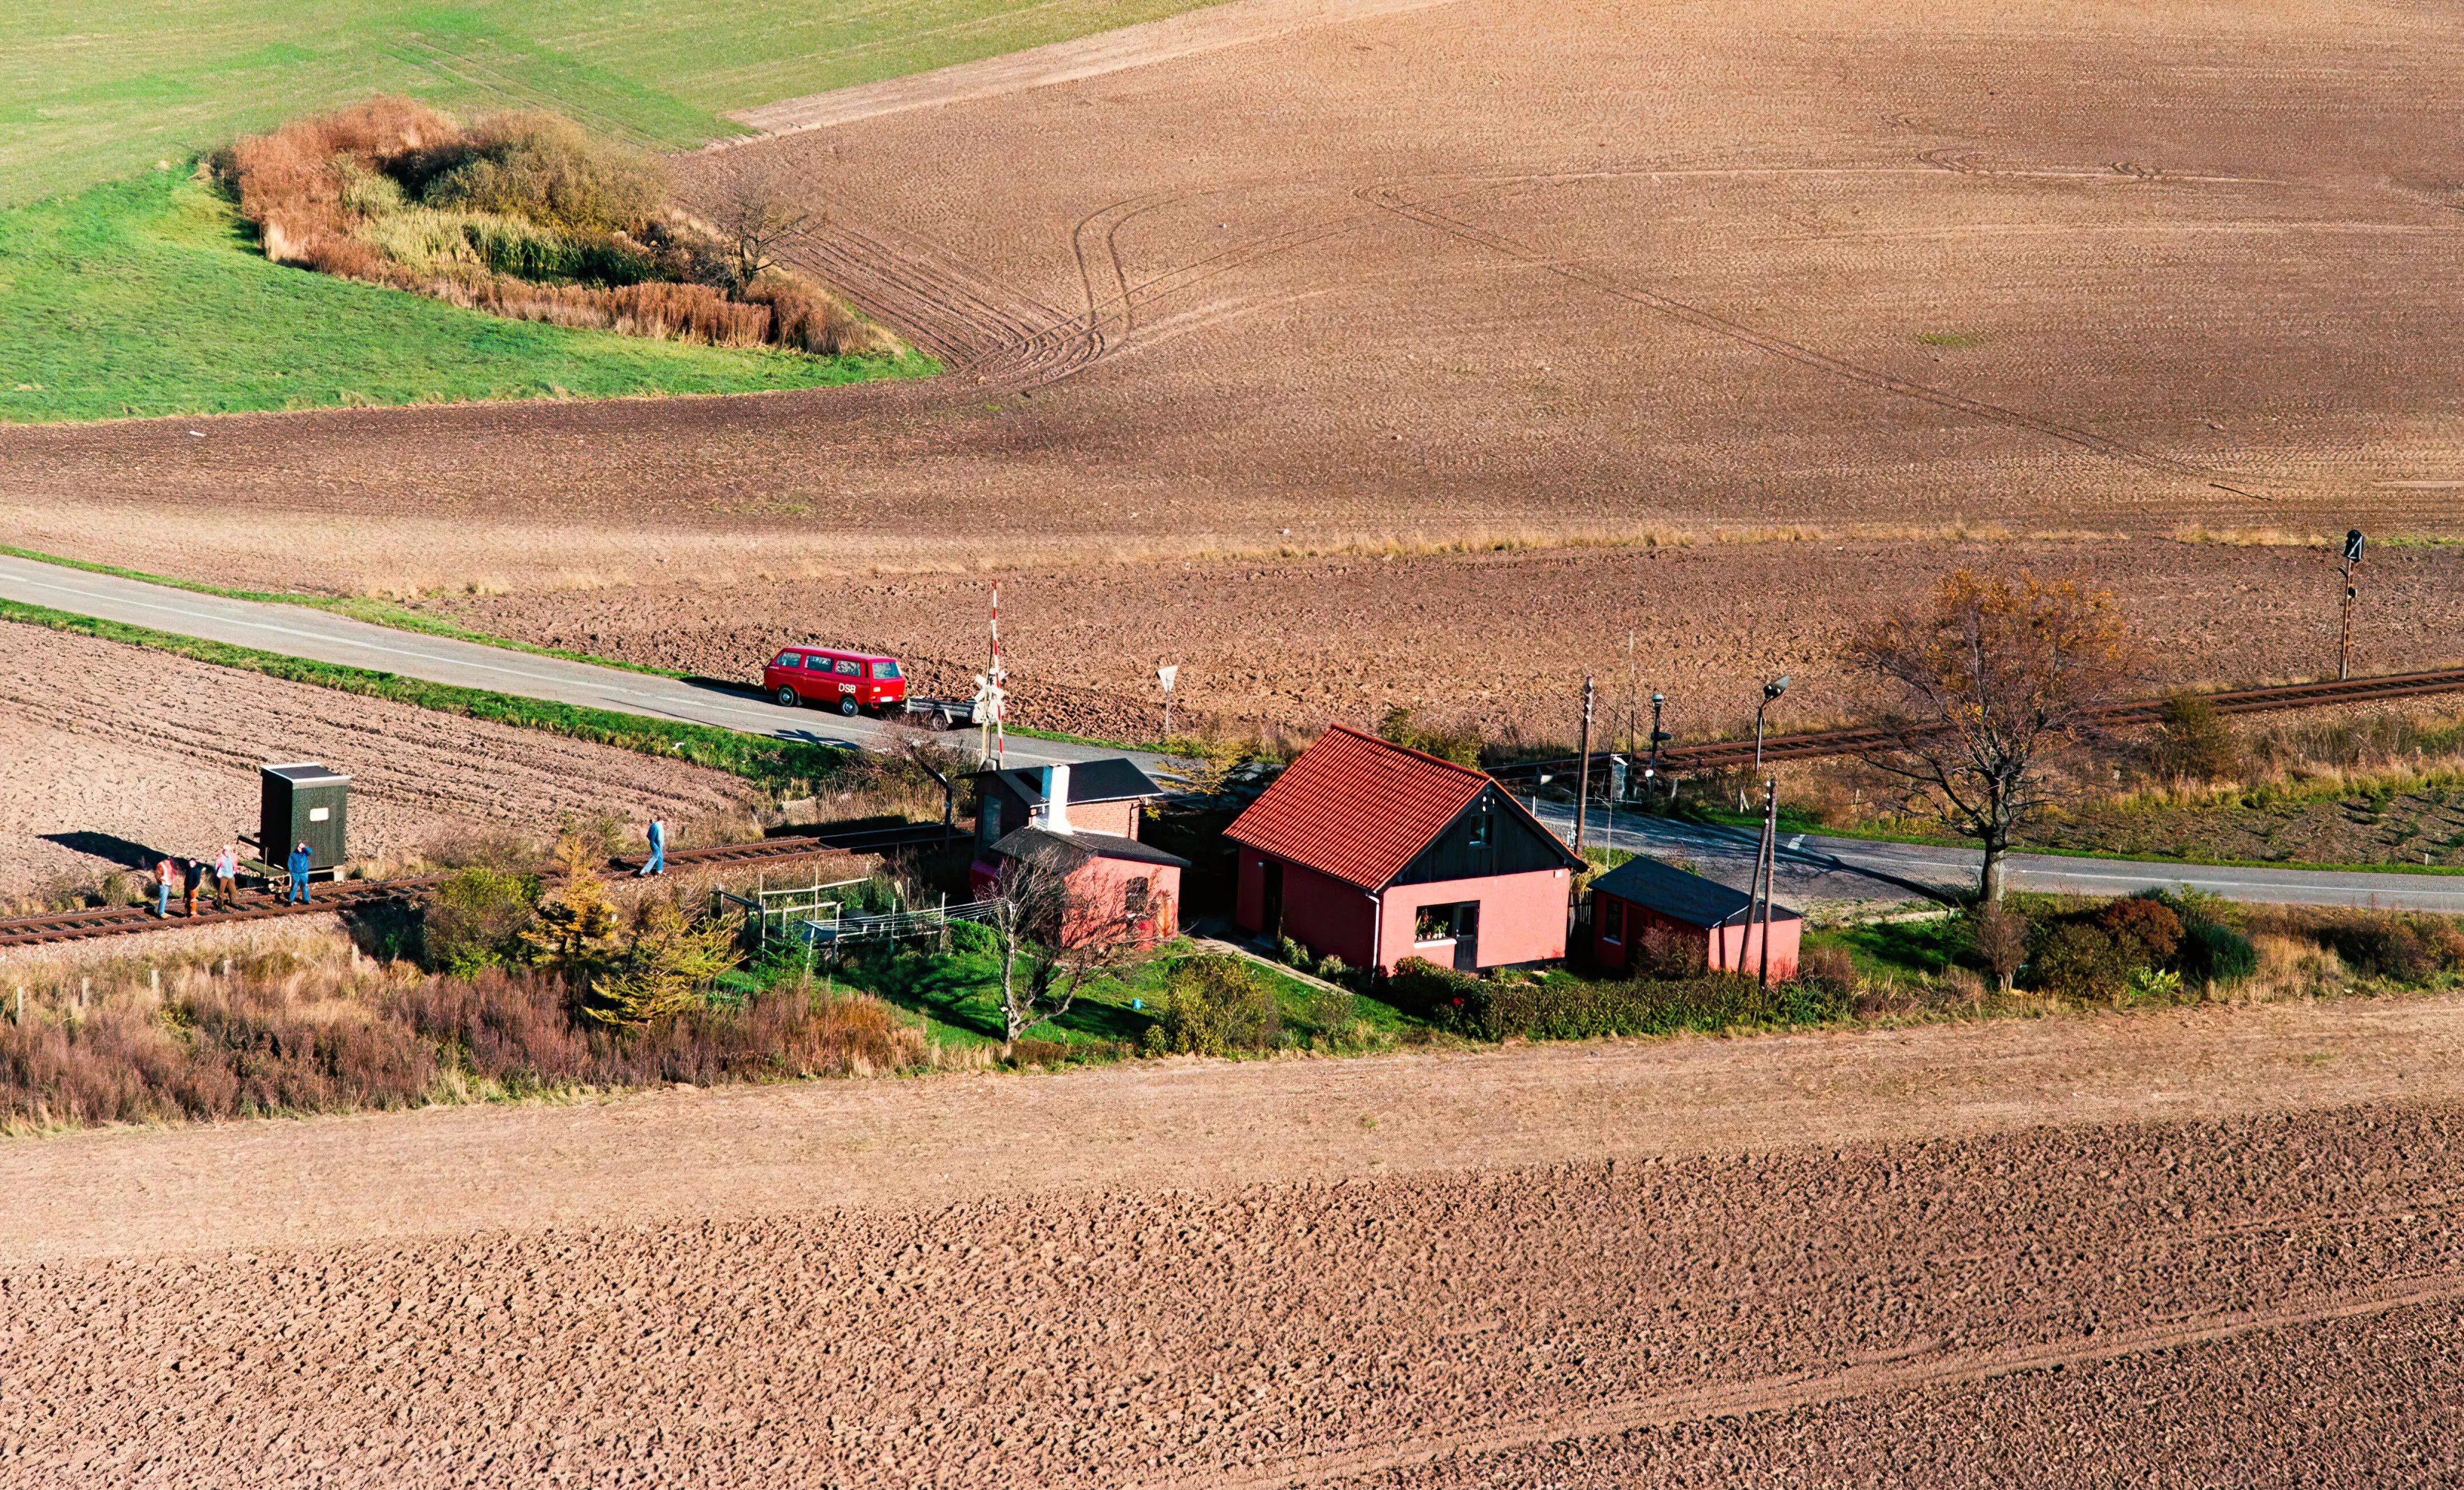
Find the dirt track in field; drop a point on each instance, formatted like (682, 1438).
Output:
(1836, 1259)
(111, 755)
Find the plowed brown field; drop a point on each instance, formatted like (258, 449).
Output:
(1512, 266)
(111, 757)
(1829, 1259)
(1500, 640)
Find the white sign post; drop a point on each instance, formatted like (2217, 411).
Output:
(1165, 675)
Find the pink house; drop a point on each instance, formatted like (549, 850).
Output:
(1085, 816)
(1373, 853)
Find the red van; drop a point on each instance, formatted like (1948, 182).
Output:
(853, 681)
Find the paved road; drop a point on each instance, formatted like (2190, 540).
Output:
(1813, 867)
(298, 631)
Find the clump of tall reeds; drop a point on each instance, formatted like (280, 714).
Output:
(522, 215)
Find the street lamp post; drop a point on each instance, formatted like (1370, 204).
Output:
(1771, 692)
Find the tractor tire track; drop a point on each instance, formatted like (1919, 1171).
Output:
(1779, 1393)
(1388, 197)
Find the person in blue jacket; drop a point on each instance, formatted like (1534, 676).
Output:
(657, 863)
(301, 861)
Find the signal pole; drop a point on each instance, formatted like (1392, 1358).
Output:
(1583, 781)
(2352, 561)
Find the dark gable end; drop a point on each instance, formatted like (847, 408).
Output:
(1492, 835)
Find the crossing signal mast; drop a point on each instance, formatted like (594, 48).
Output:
(991, 696)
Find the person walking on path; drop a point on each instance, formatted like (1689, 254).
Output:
(164, 874)
(227, 877)
(301, 860)
(657, 863)
(192, 876)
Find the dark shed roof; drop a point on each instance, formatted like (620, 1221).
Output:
(1112, 780)
(1680, 896)
(1083, 846)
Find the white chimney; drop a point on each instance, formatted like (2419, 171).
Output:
(1056, 799)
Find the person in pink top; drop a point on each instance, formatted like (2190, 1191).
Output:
(165, 875)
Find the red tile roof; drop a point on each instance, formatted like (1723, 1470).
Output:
(1356, 807)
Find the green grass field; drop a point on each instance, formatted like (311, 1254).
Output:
(146, 297)
(91, 93)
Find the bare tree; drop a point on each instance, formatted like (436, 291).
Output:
(1054, 936)
(2001, 684)
(758, 214)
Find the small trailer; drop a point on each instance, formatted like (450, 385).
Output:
(941, 713)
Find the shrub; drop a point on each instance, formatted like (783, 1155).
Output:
(1332, 1011)
(1662, 952)
(2383, 946)
(2078, 959)
(2143, 930)
(1459, 746)
(1827, 967)
(544, 168)
(1213, 1005)
(2212, 953)
(671, 959)
(1442, 996)
(1568, 1009)
(1998, 935)
(477, 919)
(2194, 742)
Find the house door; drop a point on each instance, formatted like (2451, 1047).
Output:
(1467, 937)
(1270, 912)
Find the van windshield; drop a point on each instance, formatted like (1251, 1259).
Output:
(885, 670)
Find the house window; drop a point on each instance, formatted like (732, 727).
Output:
(1612, 919)
(1441, 923)
(1480, 830)
(1133, 895)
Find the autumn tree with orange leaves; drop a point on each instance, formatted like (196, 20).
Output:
(2001, 685)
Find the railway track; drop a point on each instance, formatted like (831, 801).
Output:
(70, 925)
(1817, 744)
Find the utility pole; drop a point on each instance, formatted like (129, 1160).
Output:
(1632, 692)
(1769, 866)
(2352, 561)
(1583, 781)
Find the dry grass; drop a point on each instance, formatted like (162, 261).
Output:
(307, 1024)
(2250, 538)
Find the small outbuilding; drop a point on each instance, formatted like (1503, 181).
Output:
(303, 802)
(1085, 818)
(1643, 898)
(1373, 852)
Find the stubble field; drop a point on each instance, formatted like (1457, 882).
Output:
(1830, 1259)
(1479, 271)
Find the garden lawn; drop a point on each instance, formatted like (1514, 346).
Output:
(89, 92)
(958, 993)
(143, 297)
